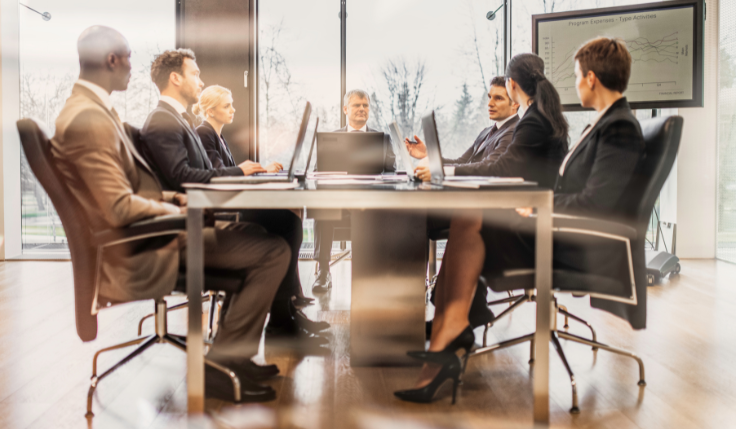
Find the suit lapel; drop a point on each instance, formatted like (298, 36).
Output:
(194, 136)
(118, 126)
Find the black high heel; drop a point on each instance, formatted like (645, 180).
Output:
(465, 340)
(451, 370)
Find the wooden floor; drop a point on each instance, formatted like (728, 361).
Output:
(689, 350)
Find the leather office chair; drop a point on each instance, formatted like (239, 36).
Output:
(662, 140)
(86, 247)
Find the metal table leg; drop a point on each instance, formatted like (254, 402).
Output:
(543, 283)
(195, 283)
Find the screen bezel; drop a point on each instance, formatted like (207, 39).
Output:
(698, 46)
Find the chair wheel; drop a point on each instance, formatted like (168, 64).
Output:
(566, 327)
(574, 410)
(642, 383)
(531, 361)
(89, 414)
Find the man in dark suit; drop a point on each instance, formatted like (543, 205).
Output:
(357, 104)
(490, 144)
(177, 155)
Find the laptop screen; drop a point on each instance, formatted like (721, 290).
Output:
(434, 153)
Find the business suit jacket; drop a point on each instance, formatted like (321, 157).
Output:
(600, 181)
(115, 187)
(218, 153)
(175, 151)
(389, 157)
(485, 149)
(532, 154)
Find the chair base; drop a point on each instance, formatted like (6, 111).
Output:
(144, 342)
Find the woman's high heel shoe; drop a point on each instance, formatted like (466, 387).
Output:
(465, 340)
(451, 370)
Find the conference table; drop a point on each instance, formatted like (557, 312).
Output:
(389, 253)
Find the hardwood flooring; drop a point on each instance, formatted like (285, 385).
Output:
(688, 349)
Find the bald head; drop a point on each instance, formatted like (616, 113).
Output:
(104, 57)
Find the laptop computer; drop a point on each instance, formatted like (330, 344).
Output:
(405, 156)
(302, 174)
(275, 177)
(437, 168)
(354, 153)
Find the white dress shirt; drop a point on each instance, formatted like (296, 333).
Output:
(364, 128)
(173, 103)
(99, 91)
(450, 171)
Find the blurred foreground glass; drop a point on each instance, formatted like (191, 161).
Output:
(49, 67)
(726, 229)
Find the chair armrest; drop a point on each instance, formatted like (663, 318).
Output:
(154, 227)
(592, 225)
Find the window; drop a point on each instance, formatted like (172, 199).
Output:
(298, 61)
(726, 210)
(49, 67)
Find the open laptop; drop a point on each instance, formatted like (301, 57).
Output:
(275, 177)
(302, 174)
(405, 156)
(353, 153)
(436, 166)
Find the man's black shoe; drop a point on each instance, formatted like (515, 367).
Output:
(219, 386)
(301, 301)
(323, 282)
(256, 372)
(309, 325)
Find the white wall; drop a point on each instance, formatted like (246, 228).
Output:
(696, 169)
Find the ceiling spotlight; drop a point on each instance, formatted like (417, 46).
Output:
(46, 16)
(492, 15)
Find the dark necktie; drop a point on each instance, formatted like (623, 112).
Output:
(487, 141)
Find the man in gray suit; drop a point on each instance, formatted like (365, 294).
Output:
(116, 187)
(357, 106)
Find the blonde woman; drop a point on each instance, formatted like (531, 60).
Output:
(216, 106)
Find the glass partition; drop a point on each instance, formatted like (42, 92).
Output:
(726, 211)
(49, 67)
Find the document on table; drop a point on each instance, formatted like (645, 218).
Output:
(243, 186)
(484, 179)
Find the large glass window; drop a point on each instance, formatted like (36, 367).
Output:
(413, 59)
(726, 232)
(298, 61)
(49, 68)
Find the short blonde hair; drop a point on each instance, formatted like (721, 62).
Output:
(210, 98)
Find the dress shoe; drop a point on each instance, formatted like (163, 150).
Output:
(256, 372)
(301, 301)
(323, 282)
(309, 325)
(218, 385)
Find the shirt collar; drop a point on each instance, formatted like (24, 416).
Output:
(173, 103)
(364, 128)
(97, 90)
(499, 124)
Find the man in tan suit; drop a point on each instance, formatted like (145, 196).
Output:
(116, 187)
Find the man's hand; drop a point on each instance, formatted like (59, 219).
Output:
(524, 211)
(180, 200)
(423, 173)
(250, 167)
(417, 150)
(274, 167)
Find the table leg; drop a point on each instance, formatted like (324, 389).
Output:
(544, 312)
(195, 283)
(389, 267)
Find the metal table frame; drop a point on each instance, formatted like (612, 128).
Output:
(200, 199)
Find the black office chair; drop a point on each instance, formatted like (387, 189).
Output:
(662, 139)
(86, 248)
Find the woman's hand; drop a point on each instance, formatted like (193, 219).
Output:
(417, 150)
(274, 167)
(525, 211)
(250, 167)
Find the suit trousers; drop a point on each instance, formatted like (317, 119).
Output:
(324, 231)
(265, 259)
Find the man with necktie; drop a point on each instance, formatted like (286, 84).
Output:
(357, 105)
(177, 156)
